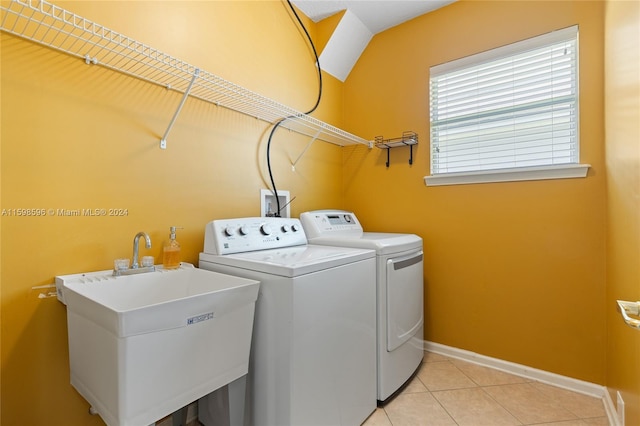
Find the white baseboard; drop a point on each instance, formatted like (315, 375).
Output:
(612, 412)
(564, 382)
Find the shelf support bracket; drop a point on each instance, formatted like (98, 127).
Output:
(163, 141)
(313, 139)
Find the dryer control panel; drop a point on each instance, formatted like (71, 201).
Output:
(226, 236)
(328, 223)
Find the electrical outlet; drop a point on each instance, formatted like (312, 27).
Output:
(620, 408)
(269, 206)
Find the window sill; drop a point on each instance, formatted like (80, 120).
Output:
(564, 171)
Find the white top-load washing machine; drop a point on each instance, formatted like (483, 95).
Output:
(400, 291)
(313, 354)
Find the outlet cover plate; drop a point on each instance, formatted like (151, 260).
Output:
(268, 205)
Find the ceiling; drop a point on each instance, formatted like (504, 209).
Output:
(376, 15)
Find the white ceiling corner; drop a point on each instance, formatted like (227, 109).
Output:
(345, 46)
(363, 19)
(376, 15)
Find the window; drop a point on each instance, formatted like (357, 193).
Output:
(507, 114)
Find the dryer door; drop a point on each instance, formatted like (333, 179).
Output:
(404, 298)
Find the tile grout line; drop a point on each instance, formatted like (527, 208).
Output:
(482, 388)
(527, 382)
(563, 403)
(430, 392)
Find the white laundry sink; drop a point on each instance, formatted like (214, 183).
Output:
(143, 346)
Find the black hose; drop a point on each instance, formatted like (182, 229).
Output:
(282, 120)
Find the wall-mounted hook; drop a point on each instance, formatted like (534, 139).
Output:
(630, 308)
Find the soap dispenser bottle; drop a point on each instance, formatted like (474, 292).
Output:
(171, 251)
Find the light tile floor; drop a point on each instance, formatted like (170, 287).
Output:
(447, 392)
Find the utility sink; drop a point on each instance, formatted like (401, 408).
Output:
(143, 346)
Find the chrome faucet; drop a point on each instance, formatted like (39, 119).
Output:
(136, 239)
(135, 267)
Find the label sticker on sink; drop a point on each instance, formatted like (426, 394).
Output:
(199, 318)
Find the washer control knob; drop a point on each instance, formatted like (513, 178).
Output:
(229, 231)
(265, 229)
(295, 228)
(243, 230)
(286, 228)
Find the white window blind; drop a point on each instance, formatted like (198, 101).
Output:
(511, 107)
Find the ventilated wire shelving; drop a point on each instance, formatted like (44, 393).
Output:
(59, 29)
(408, 138)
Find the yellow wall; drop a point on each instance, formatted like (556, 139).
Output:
(325, 29)
(514, 271)
(622, 111)
(75, 136)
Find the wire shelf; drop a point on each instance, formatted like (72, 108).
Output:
(52, 26)
(408, 138)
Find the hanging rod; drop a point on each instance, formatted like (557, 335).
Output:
(52, 26)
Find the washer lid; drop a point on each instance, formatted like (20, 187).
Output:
(382, 242)
(291, 261)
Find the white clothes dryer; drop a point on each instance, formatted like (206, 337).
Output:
(400, 289)
(313, 354)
